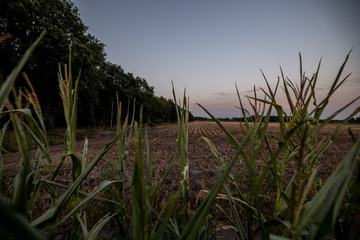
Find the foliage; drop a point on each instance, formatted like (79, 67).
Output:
(23, 21)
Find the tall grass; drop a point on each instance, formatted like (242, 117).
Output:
(293, 207)
(182, 147)
(262, 202)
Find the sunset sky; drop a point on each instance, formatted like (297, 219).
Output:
(209, 46)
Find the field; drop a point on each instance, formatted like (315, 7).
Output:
(202, 162)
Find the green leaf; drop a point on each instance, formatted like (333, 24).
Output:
(233, 141)
(15, 223)
(10, 80)
(98, 226)
(139, 214)
(192, 228)
(2, 134)
(153, 194)
(20, 197)
(158, 232)
(83, 223)
(90, 196)
(51, 215)
(322, 211)
(276, 237)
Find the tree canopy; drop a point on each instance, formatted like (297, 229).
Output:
(24, 20)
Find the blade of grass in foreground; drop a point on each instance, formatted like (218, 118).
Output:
(138, 190)
(2, 134)
(196, 222)
(20, 194)
(10, 80)
(90, 196)
(50, 216)
(325, 205)
(182, 148)
(98, 226)
(14, 222)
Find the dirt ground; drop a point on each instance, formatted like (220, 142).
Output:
(163, 149)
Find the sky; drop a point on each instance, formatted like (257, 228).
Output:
(209, 46)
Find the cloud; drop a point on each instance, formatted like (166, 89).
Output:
(251, 91)
(224, 94)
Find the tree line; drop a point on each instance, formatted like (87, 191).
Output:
(22, 21)
(271, 119)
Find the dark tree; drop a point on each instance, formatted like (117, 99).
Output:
(24, 20)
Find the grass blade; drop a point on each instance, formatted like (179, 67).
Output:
(325, 205)
(139, 215)
(16, 223)
(192, 229)
(98, 226)
(10, 80)
(90, 196)
(2, 134)
(51, 215)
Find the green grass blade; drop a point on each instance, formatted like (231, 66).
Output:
(83, 223)
(90, 196)
(41, 144)
(84, 156)
(321, 106)
(325, 205)
(63, 157)
(10, 80)
(84, 194)
(154, 193)
(276, 237)
(20, 196)
(50, 216)
(2, 134)
(239, 227)
(15, 223)
(287, 92)
(233, 141)
(182, 148)
(35, 172)
(332, 116)
(148, 163)
(192, 228)
(98, 226)
(231, 138)
(223, 165)
(158, 232)
(138, 192)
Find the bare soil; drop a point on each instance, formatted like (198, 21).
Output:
(163, 151)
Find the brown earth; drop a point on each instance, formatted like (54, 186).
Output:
(163, 150)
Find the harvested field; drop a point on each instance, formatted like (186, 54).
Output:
(201, 159)
(163, 150)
